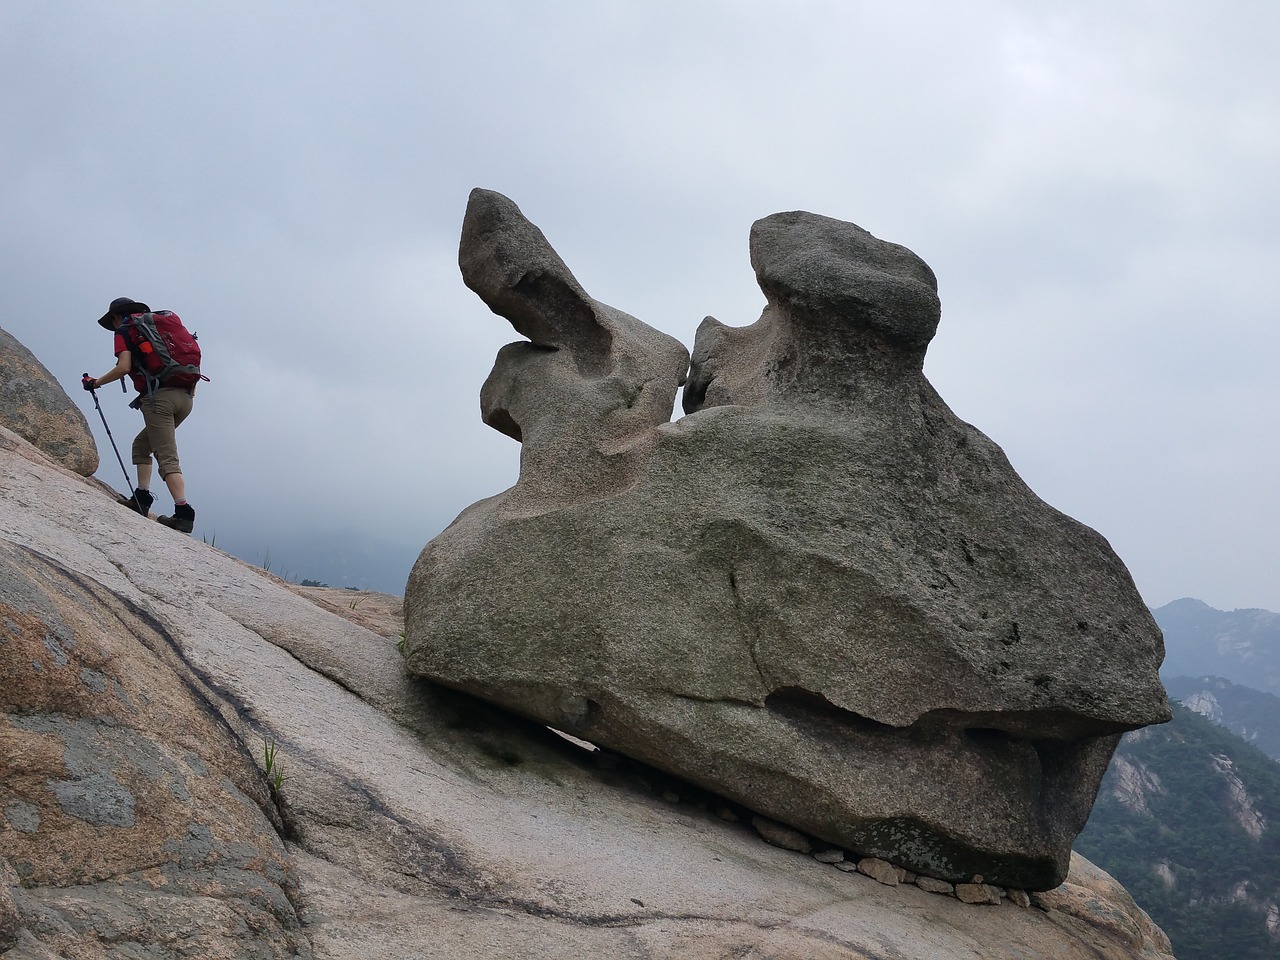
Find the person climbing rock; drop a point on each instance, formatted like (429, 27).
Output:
(163, 360)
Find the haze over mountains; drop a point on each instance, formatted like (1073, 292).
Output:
(1242, 646)
(339, 558)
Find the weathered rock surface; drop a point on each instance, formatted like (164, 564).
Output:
(585, 391)
(141, 673)
(34, 405)
(820, 594)
(133, 812)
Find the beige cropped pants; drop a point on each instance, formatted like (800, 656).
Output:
(162, 413)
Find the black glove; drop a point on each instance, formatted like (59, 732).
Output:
(88, 383)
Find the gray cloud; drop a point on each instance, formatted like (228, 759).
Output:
(1095, 189)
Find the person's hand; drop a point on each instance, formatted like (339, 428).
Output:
(88, 383)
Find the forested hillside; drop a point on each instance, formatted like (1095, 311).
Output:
(1188, 819)
(1250, 714)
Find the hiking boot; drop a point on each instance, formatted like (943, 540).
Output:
(183, 519)
(140, 501)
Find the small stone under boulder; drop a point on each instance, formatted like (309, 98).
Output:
(820, 594)
(34, 406)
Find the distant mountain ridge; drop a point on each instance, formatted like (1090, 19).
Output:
(1242, 646)
(1252, 715)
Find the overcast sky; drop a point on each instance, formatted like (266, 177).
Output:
(1095, 185)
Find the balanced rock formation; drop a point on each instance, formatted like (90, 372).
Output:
(144, 673)
(33, 405)
(819, 594)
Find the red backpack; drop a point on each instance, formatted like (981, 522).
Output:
(165, 353)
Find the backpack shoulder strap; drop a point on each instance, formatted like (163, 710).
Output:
(134, 339)
(128, 331)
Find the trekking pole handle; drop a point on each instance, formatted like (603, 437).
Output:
(87, 380)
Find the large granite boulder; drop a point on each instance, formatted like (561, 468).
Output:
(34, 405)
(141, 674)
(820, 594)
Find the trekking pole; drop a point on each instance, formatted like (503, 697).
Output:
(133, 496)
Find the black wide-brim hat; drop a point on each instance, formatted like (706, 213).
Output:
(121, 307)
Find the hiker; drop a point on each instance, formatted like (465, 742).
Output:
(164, 401)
